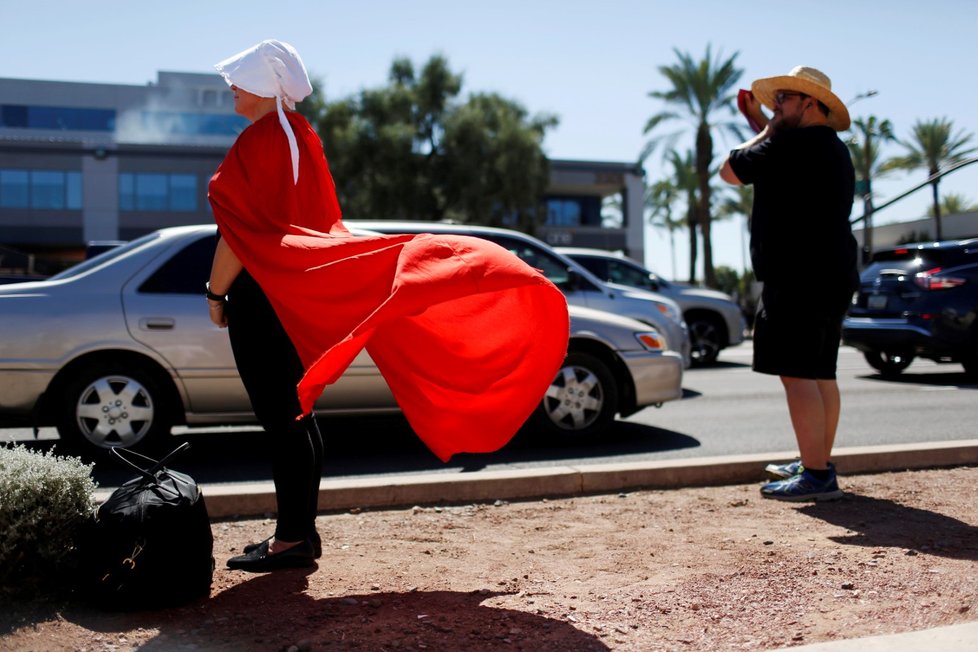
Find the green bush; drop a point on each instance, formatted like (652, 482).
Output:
(45, 501)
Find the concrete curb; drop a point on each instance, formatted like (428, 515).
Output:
(258, 499)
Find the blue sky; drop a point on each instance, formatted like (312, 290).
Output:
(590, 63)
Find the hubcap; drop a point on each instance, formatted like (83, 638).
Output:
(705, 340)
(574, 399)
(114, 411)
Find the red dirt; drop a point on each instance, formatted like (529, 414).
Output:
(715, 568)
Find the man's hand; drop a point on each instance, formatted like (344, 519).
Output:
(752, 110)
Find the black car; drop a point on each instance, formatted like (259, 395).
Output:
(917, 300)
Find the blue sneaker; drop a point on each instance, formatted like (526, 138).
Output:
(803, 487)
(783, 471)
(791, 469)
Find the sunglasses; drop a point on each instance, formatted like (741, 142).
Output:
(781, 96)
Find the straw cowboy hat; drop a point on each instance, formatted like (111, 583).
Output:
(809, 81)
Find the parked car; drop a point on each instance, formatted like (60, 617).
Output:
(119, 348)
(714, 319)
(917, 300)
(19, 278)
(579, 285)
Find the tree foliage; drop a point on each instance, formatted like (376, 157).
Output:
(934, 146)
(864, 146)
(414, 150)
(870, 133)
(697, 91)
(953, 203)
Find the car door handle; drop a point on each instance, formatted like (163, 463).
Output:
(157, 323)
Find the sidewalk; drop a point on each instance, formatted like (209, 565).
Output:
(952, 637)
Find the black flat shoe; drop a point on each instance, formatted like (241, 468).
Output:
(254, 546)
(317, 544)
(260, 561)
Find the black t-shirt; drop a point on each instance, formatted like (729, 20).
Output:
(803, 191)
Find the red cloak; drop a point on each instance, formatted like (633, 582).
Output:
(466, 334)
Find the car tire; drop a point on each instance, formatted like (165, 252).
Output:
(705, 339)
(111, 405)
(888, 363)
(582, 400)
(970, 361)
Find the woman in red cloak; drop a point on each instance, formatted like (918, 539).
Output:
(467, 336)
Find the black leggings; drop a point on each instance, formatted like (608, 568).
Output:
(270, 369)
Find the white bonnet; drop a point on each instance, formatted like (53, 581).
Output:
(270, 69)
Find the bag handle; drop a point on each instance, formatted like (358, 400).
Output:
(150, 473)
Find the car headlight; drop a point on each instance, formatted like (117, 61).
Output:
(651, 340)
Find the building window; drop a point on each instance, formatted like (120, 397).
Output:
(183, 192)
(47, 189)
(573, 211)
(151, 192)
(197, 124)
(155, 191)
(56, 117)
(127, 192)
(40, 189)
(73, 190)
(14, 189)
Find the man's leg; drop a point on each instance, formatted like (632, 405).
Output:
(811, 417)
(832, 407)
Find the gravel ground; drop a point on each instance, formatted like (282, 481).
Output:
(715, 568)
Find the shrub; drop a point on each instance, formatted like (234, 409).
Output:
(45, 501)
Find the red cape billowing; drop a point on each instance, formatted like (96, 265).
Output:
(466, 334)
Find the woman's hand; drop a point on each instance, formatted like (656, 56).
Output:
(215, 310)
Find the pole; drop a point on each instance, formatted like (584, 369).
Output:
(938, 175)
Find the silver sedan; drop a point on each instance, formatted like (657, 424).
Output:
(116, 350)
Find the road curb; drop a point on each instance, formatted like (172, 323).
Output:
(240, 500)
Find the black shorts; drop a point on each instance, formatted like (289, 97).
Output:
(797, 335)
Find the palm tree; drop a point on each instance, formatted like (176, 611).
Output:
(698, 89)
(687, 186)
(953, 203)
(870, 133)
(934, 146)
(660, 199)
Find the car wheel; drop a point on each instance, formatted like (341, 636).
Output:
(888, 363)
(582, 399)
(112, 405)
(706, 340)
(970, 361)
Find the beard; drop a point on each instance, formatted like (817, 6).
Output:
(782, 122)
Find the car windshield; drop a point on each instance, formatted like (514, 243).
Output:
(555, 269)
(104, 257)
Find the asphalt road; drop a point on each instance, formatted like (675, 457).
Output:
(727, 409)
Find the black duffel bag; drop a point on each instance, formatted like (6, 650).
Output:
(150, 544)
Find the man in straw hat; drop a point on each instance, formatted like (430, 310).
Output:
(803, 251)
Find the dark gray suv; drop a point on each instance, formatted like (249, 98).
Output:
(917, 300)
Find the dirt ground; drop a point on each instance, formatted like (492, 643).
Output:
(715, 568)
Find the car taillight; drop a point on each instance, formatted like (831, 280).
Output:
(930, 281)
